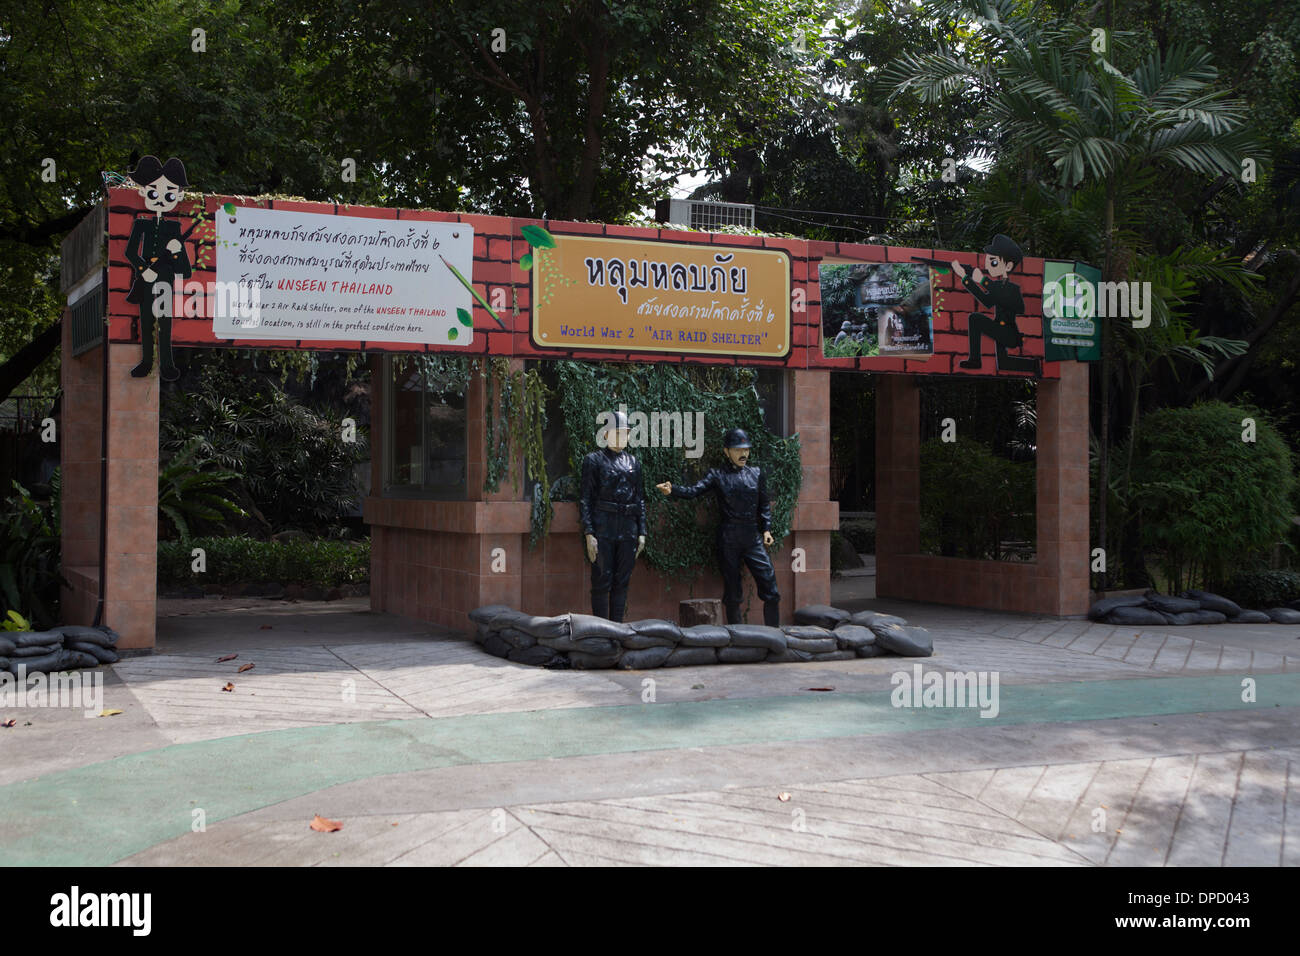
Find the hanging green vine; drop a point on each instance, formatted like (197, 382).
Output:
(681, 541)
(517, 421)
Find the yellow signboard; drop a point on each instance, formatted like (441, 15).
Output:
(629, 295)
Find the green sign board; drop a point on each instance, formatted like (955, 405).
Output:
(1071, 325)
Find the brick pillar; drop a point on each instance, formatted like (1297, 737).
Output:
(898, 478)
(815, 515)
(131, 566)
(82, 378)
(1062, 479)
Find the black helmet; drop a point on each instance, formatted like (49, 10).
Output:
(735, 438)
(617, 420)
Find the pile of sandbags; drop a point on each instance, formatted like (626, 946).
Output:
(1189, 607)
(63, 648)
(588, 643)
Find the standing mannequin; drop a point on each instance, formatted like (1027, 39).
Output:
(611, 507)
(157, 253)
(741, 490)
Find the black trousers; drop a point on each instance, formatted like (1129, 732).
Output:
(166, 364)
(1004, 337)
(610, 574)
(742, 545)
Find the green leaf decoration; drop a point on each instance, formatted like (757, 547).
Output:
(538, 237)
(464, 317)
(229, 208)
(526, 261)
(453, 333)
(472, 291)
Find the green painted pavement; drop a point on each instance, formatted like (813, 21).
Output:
(101, 813)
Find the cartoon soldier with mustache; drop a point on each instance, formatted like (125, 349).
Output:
(156, 250)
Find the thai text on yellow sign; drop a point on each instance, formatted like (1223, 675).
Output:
(630, 295)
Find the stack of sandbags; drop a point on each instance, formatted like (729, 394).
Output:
(1190, 607)
(589, 643)
(63, 648)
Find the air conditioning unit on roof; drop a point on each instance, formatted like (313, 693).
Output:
(703, 214)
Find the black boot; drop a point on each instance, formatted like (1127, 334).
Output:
(1015, 363)
(146, 348)
(733, 614)
(772, 613)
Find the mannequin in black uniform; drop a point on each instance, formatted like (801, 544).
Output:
(157, 253)
(746, 512)
(611, 507)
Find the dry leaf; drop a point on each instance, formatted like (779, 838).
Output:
(246, 667)
(783, 797)
(229, 686)
(821, 688)
(321, 825)
(8, 723)
(228, 657)
(265, 627)
(109, 713)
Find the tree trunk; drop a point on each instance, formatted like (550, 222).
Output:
(26, 359)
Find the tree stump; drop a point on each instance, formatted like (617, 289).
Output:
(700, 611)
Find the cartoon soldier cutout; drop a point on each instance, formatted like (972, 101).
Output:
(611, 507)
(1001, 256)
(156, 250)
(746, 511)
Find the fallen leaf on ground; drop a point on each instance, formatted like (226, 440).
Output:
(109, 713)
(246, 667)
(228, 657)
(321, 825)
(783, 797)
(821, 688)
(8, 723)
(229, 686)
(265, 627)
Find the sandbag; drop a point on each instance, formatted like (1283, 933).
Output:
(809, 632)
(484, 614)
(834, 656)
(592, 662)
(867, 618)
(852, 636)
(104, 655)
(644, 659)
(45, 664)
(72, 660)
(756, 635)
(6, 645)
(1198, 617)
(821, 615)
(508, 618)
(691, 656)
(869, 650)
(705, 635)
(1103, 607)
(788, 656)
(38, 650)
(103, 636)
(1171, 605)
(1294, 605)
(1250, 617)
(655, 627)
(742, 655)
(1213, 602)
(494, 645)
(587, 645)
(536, 626)
(1128, 614)
(909, 641)
(639, 642)
(537, 655)
(1283, 615)
(4, 664)
(582, 626)
(816, 645)
(516, 638)
(37, 639)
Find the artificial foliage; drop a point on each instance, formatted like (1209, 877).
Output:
(681, 534)
(515, 418)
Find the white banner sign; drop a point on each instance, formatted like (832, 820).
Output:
(313, 276)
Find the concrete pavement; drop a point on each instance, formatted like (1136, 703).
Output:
(1110, 746)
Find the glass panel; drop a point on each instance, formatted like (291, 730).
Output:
(405, 452)
(445, 442)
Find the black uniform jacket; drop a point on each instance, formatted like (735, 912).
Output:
(1002, 295)
(147, 249)
(741, 493)
(611, 503)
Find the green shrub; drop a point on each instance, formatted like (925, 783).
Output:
(972, 500)
(241, 560)
(29, 558)
(1263, 589)
(861, 534)
(1209, 502)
